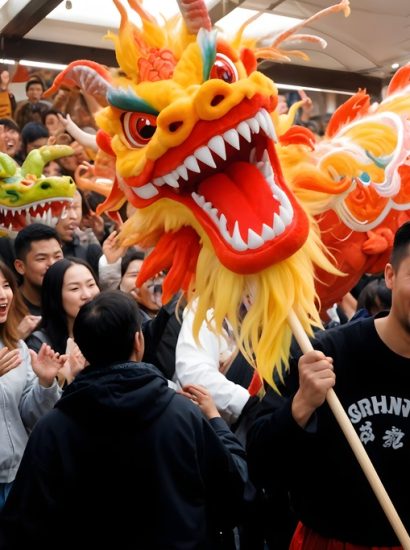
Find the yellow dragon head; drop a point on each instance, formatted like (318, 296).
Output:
(190, 122)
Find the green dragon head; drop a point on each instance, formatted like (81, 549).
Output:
(27, 196)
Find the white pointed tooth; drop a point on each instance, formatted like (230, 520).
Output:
(254, 240)
(28, 218)
(214, 215)
(278, 225)
(54, 220)
(207, 206)
(285, 215)
(252, 156)
(254, 125)
(237, 241)
(182, 172)
(42, 204)
(244, 130)
(159, 182)
(170, 180)
(262, 122)
(146, 191)
(282, 198)
(217, 146)
(192, 164)
(232, 137)
(267, 232)
(224, 229)
(204, 155)
(199, 199)
(269, 125)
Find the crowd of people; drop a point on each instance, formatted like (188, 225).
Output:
(117, 423)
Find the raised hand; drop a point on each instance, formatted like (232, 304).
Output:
(46, 364)
(27, 325)
(9, 360)
(111, 248)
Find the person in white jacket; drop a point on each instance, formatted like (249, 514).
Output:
(28, 386)
(203, 363)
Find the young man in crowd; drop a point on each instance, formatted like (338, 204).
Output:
(37, 247)
(134, 464)
(297, 437)
(32, 109)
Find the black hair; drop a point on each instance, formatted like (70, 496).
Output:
(10, 124)
(131, 255)
(53, 317)
(105, 328)
(32, 131)
(50, 112)
(31, 233)
(400, 245)
(375, 297)
(35, 80)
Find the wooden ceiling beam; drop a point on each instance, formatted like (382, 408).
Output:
(28, 17)
(301, 75)
(53, 52)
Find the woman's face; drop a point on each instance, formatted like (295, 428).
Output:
(6, 297)
(129, 278)
(79, 287)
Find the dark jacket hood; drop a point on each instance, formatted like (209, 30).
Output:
(135, 392)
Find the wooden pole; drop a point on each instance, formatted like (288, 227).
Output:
(355, 443)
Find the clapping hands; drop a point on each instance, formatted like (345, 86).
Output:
(46, 364)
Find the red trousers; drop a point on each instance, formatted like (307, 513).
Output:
(306, 539)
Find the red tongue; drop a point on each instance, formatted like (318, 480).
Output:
(241, 193)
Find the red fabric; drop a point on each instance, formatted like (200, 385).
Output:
(305, 538)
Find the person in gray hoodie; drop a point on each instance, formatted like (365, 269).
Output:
(28, 386)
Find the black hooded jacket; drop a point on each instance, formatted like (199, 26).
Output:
(122, 461)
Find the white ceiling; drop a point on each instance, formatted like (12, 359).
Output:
(376, 34)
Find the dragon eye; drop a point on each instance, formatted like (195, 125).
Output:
(138, 128)
(224, 69)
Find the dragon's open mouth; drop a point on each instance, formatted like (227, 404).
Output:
(46, 212)
(232, 182)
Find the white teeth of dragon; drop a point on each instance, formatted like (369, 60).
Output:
(204, 155)
(217, 146)
(244, 131)
(146, 191)
(170, 180)
(254, 240)
(270, 129)
(232, 137)
(192, 164)
(237, 242)
(254, 125)
(278, 225)
(183, 172)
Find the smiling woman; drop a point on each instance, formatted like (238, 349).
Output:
(27, 384)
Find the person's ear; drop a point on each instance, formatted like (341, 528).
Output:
(139, 343)
(389, 276)
(19, 267)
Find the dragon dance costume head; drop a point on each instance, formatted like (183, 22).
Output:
(192, 125)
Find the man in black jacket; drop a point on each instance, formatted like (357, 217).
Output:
(123, 461)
